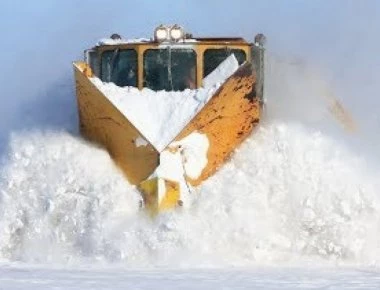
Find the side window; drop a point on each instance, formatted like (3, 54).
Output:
(119, 67)
(214, 57)
(91, 58)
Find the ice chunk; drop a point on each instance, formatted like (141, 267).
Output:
(222, 72)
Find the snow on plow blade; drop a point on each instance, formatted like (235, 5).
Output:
(225, 121)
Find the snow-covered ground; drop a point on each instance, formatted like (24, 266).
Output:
(42, 277)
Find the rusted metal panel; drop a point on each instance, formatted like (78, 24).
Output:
(102, 122)
(227, 119)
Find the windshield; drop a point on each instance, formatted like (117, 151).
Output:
(119, 67)
(170, 69)
(214, 57)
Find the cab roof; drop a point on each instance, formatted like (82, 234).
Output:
(193, 41)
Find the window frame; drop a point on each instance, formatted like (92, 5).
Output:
(198, 47)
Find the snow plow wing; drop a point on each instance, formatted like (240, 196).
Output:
(102, 123)
(230, 114)
(227, 119)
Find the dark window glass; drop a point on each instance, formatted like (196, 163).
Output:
(214, 57)
(170, 69)
(120, 67)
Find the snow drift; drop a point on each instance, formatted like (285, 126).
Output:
(289, 194)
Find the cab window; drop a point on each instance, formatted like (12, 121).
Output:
(170, 69)
(119, 67)
(214, 57)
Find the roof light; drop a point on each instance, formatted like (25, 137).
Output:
(161, 33)
(176, 33)
(169, 33)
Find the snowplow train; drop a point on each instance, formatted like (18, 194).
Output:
(172, 109)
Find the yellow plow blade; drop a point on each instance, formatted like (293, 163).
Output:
(226, 120)
(338, 111)
(101, 122)
(159, 195)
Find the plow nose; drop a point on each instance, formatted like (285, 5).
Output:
(159, 195)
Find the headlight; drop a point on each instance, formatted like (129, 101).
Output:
(169, 33)
(161, 33)
(176, 33)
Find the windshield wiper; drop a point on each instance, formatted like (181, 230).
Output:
(113, 62)
(170, 68)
